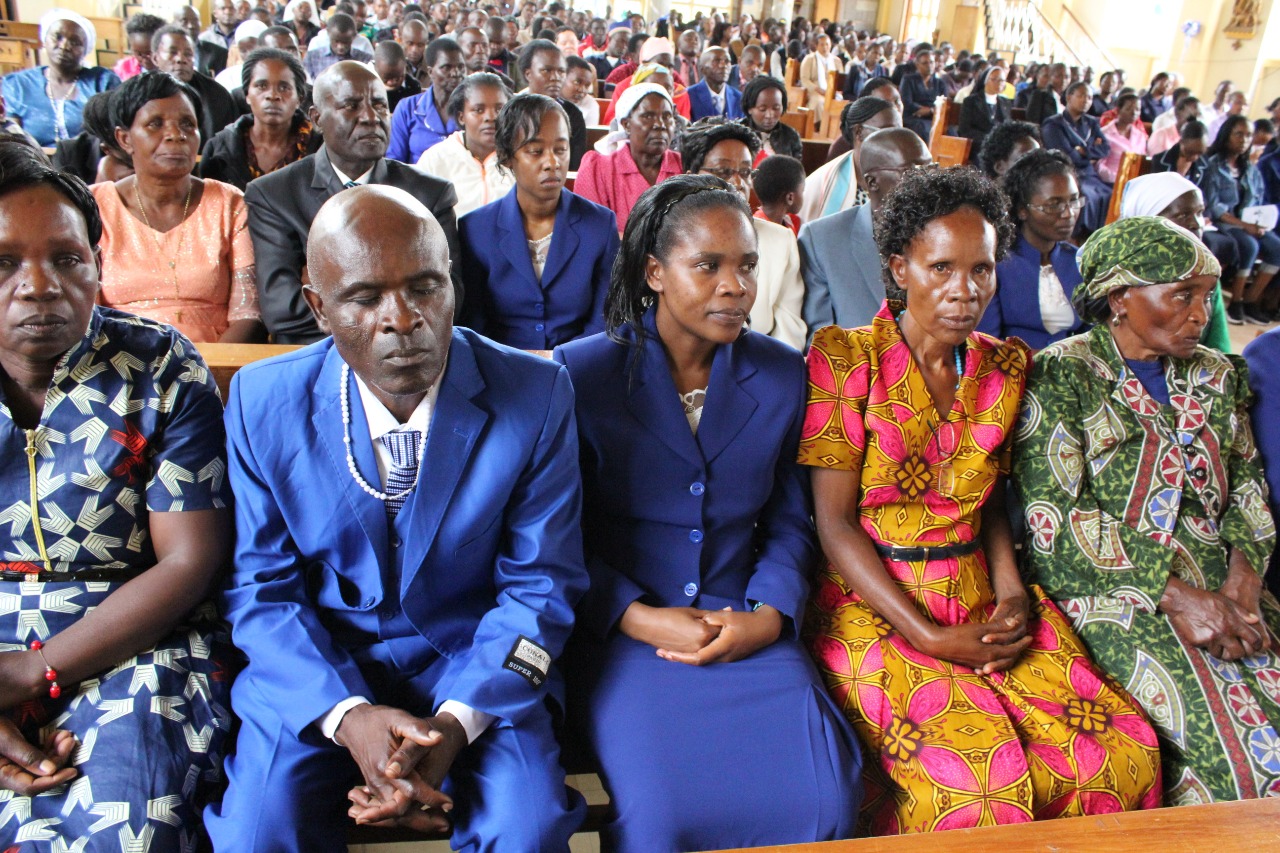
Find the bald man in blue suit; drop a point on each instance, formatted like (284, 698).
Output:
(408, 559)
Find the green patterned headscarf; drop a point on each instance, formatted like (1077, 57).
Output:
(1136, 252)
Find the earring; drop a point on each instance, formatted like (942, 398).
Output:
(1115, 321)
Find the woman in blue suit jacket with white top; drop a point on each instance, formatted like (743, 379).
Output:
(536, 262)
(708, 718)
(1035, 281)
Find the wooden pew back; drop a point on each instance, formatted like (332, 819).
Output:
(1132, 165)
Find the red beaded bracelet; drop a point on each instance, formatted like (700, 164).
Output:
(50, 674)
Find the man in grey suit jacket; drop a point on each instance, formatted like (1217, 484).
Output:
(839, 259)
(351, 110)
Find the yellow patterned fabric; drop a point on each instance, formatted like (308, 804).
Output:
(947, 747)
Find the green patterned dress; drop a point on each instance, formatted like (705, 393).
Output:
(1120, 493)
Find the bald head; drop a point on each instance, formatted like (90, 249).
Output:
(714, 64)
(379, 268)
(885, 155)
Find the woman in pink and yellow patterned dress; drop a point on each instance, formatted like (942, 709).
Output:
(976, 703)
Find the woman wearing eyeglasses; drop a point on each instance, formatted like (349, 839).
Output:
(968, 688)
(717, 146)
(1036, 280)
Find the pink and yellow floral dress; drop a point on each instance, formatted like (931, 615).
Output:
(947, 747)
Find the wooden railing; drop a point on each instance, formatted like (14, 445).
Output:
(1020, 31)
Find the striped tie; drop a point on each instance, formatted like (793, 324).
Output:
(349, 184)
(403, 446)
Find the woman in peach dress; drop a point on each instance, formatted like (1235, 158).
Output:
(175, 249)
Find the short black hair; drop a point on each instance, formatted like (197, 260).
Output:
(928, 194)
(875, 84)
(341, 23)
(577, 63)
(1000, 141)
(1126, 98)
(700, 137)
(1020, 182)
(168, 30)
(458, 97)
(437, 46)
(538, 45)
(1078, 85)
(1193, 129)
(143, 24)
(757, 87)
(136, 92)
(265, 54)
(634, 43)
(521, 118)
(776, 176)
(1264, 125)
(651, 227)
(22, 166)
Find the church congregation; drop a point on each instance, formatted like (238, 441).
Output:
(816, 433)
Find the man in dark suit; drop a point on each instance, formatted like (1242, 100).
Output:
(174, 53)
(211, 59)
(351, 110)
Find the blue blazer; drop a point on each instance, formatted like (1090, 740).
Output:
(506, 302)
(1015, 309)
(1263, 357)
(721, 518)
(497, 557)
(701, 105)
(1060, 133)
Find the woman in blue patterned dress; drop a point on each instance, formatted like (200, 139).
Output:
(113, 526)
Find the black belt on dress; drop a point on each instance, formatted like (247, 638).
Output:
(923, 553)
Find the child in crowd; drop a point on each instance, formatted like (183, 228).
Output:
(779, 184)
(1264, 130)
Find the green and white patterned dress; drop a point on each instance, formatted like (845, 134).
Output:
(1121, 492)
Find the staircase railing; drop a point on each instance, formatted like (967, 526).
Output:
(1021, 32)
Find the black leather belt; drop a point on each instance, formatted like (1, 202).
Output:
(923, 554)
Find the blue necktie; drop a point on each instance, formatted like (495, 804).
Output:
(403, 446)
(349, 184)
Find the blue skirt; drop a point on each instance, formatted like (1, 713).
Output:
(150, 732)
(738, 754)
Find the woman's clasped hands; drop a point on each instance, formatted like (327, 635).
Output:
(698, 637)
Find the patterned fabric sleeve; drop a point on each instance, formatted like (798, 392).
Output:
(1078, 548)
(1013, 358)
(834, 434)
(188, 451)
(243, 304)
(1246, 523)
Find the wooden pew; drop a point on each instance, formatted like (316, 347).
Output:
(595, 132)
(951, 151)
(604, 105)
(835, 91)
(814, 154)
(791, 76)
(800, 120)
(225, 359)
(831, 119)
(1250, 826)
(19, 46)
(797, 96)
(1132, 165)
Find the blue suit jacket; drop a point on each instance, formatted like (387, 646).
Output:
(507, 303)
(713, 520)
(1015, 309)
(497, 554)
(701, 105)
(840, 264)
(1263, 357)
(1058, 132)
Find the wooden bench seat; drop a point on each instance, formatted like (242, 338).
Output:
(1250, 826)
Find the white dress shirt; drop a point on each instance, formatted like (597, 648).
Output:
(381, 422)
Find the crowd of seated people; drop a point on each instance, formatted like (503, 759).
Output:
(922, 498)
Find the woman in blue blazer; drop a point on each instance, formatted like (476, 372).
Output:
(536, 262)
(709, 719)
(1035, 281)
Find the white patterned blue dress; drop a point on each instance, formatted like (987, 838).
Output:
(131, 425)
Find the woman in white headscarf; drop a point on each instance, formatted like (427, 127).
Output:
(49, 99)
(1173, 197)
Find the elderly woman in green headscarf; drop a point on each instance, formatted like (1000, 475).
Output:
(1146, 509)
